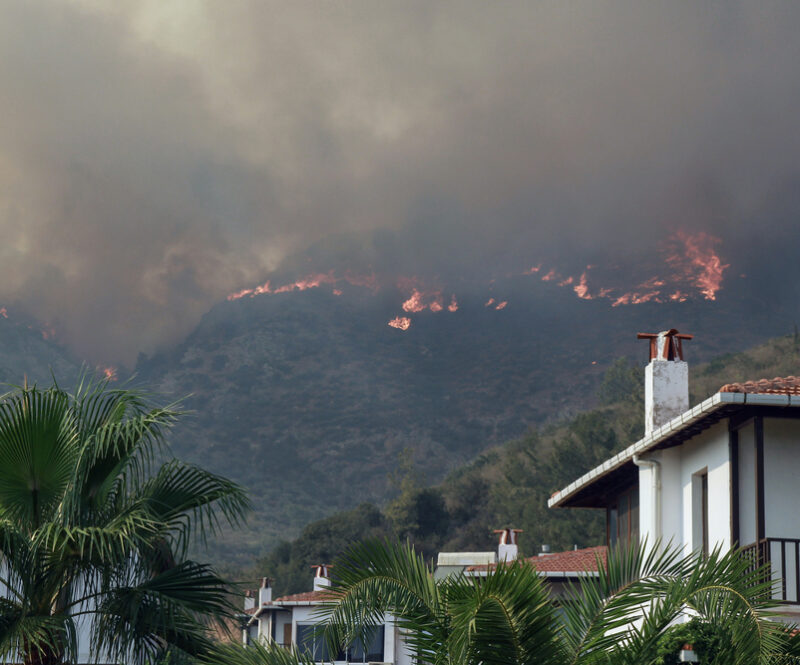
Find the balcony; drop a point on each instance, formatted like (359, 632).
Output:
(783, 555)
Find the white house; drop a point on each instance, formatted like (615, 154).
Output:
(724, 472)
(290, 620)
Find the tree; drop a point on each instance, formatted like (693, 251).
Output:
(94, 528)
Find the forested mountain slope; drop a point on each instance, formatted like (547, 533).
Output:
(508, 486)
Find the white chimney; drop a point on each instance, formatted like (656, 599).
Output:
(666, 379)
(321, 579)
(249, 601)
(265, 592)
(508, 550)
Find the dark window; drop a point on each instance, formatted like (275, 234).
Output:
(704, 508)
(373, 652)
(310, 643)
(622, 518)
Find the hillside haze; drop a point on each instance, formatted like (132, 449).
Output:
(309, 398)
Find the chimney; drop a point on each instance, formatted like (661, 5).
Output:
(507, 550)
(265, 592)
(545, 550)
(666, 379)
(321, 579)
(249, 601)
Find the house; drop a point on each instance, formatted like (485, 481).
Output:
(723, 473)
(290, 620)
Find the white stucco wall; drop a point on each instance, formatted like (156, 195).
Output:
(708, 451)
(781, 477)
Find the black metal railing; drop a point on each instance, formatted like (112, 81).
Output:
(783, 557)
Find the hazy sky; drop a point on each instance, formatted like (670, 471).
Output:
(156, 155)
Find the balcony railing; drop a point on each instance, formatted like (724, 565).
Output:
(783, 555)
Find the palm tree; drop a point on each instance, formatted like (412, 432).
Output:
(509, 617)
(94, 529)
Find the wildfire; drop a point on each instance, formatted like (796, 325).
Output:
(581, 289)
(691, 259)
(400, 322)
(533, 270)
(704, 268)
(3, 312)
(311, 281)
(501, 305)
(110, 373)
(489, 302)
(453, 306)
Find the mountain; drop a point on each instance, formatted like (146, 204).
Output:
(309, 398)
(29, 351)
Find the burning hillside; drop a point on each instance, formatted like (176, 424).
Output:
(690, 268)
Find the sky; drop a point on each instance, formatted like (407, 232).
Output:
(157, 155)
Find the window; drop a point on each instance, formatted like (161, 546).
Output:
(700, 525)
(371, 650)
(622, 518)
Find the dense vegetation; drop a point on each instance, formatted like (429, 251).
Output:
(508, 486)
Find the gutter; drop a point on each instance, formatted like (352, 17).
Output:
(655, 490)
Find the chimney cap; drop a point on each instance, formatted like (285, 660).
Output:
(266, 582)
(670, 349)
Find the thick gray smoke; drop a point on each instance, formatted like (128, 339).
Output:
(157, 155)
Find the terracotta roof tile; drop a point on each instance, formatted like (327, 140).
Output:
(306, 596)
(789, 385)
(571, 561)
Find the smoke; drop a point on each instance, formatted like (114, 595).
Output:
(157, 156)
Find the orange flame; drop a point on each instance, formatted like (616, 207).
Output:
(489, 302)
(415, 302)
(550, 276)
(581, 289)
(453, 306)
(400, 322)
(502, 305)
(533, 270)
(3, 312)
(110, 373)
(699, 249)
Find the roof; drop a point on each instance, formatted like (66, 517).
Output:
(306, 597)
(563, 564)
(775, 393)
(789, 385)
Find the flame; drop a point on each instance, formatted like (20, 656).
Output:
(400, 322)
(692, 261)
(436, 306)
(489, 302)
(110, 373)
(699, 250)
(3, 312)
(502, 305)
(414, 303)
(581, 289)
(533, 270)
(453, 306)
(311, 281)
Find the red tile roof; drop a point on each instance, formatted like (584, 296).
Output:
(789, 385)
(305, 597)
(571, 561)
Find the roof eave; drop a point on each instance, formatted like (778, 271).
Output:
(693, 416)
